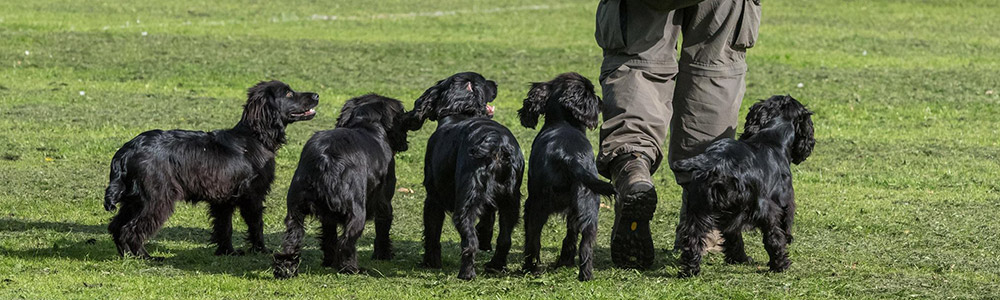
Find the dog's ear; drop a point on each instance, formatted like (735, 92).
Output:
(581, 101)
(534, 104)
(425, 107)
(260, 112)
(396, 129)
(802, 147)
(760, 114)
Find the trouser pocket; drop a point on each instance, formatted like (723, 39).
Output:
(610, 22)
(746, 33)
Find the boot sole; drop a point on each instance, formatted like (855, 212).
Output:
(632, 242)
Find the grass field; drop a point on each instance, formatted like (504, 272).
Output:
(899, 199)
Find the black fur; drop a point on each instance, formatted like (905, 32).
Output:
(346, 176)
(563, 175)
(747, 183)
(473, 168)
(226, 168)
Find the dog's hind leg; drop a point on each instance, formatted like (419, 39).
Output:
(433, 221)
(130, 209)
(567, 256)
(286, 262)
(776, 245)
(147, 221)
(692, 231)
(252, 211)
(348, 243)
(534, 219)
(484, 230)
(464, 219)
(733, 247)
(328, 240)
(508, 220)
(589, 236)
(222, 228)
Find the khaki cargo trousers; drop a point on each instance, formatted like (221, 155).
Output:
(648, 89)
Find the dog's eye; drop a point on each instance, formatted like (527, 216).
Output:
(288, 95)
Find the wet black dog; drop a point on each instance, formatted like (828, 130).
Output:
(473, 168)
(346, 176)
(747, 183)
(562, 177)
(226, 168)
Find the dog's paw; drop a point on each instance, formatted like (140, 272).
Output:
(430, 264)
(496, 268)
(229, 251)
(585, 275)
(688, 272)
(561, 262)
(260, 249)
(383, 255)
(467, 275)
(780, 265)
(745, 260)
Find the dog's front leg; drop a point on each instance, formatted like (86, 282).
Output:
(252, 211)
(383, 216)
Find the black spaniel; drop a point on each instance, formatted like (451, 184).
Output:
(747, 183)
(562, 177)
(226, 168)
(346, 176)
(473, 168)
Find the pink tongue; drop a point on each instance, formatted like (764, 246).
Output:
(489, 108)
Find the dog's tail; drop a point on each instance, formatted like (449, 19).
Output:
(505, 169)
(585, 171)
(116, 182)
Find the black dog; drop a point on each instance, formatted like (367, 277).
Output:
(473, 168)
(747, 183)
(563, 175)
(226, 168)
(346, 176)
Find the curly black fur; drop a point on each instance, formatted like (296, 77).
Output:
(747, 183)
(226, 168)
(346, 176)
(473, 168)
(563, 175)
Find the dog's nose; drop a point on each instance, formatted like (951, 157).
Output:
(314, 97)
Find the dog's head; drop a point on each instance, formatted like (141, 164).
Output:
(790, 110)
(467, 94)
(276, 101)
(569, 96)
(375, 110)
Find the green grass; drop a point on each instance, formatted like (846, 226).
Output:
(898, 200)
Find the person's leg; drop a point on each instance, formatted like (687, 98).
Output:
(711, 78)
(637, 78)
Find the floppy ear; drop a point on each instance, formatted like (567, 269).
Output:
(761, 113)
(393, 122)
(803, 145)
(425, 107)
(581, 101)
(697, 163)
(260, 111)
(534, 104)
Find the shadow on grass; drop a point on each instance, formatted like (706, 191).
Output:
(95, 245)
